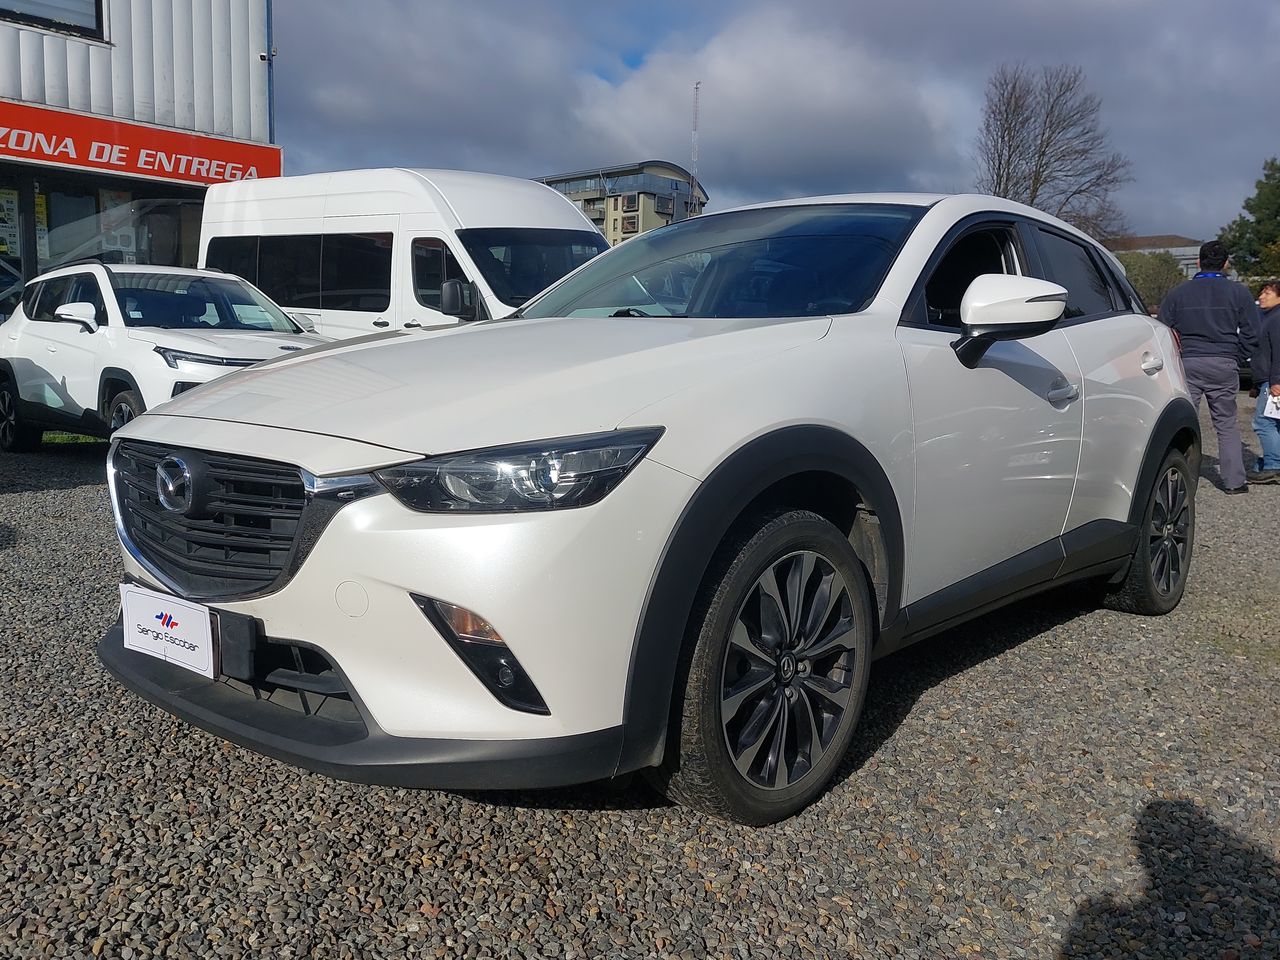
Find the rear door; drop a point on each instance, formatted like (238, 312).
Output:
(1125, 382)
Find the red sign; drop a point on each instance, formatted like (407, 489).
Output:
(43, 135)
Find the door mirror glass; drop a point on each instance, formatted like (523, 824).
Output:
(81, 312)
(1002, 307)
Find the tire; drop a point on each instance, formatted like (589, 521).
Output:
(746, 672)
(1161, 561)
(124, 407)
(16, 436)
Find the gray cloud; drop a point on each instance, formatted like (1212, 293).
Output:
(813, 97)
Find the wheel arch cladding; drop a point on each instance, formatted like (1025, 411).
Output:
(116, 375)
(719, 502)
(1178, 428)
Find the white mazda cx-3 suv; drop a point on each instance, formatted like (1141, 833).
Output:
(665, 517)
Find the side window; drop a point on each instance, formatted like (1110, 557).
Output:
(433, 263)
(53, 294)
(1068, 263)
(289, 270)
(238, 255)
(356, 272)
(976, 253)
(85, 289)
(30, 294)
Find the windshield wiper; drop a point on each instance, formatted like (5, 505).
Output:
(630, 312)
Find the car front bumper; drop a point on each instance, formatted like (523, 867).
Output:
(359, 750)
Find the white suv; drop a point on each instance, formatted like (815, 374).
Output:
(666, 516)
(92, 346)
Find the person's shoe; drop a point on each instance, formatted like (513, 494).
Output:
(1264, 476)
(1243, 488)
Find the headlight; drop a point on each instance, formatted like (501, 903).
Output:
(175, 357)
(545, 475)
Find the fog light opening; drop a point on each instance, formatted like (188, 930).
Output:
(486, 654)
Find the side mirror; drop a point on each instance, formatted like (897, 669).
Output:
(457, 299)
(1001, 307)
(305, 322)
(81, 312)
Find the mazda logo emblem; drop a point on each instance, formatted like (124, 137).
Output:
(173, 485)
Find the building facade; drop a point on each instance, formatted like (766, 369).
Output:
(115, 115)
(627, 200)
(1185, 249)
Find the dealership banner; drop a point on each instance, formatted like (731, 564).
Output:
(43, 135)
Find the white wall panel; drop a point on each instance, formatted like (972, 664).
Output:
(78, 77)
(190, 64)
(162, 80)
(10, 64)
(55, 72)
(144, 78)
(101, 97)
(122, 103)
(31, 51)
(202, 63)
(184, 77)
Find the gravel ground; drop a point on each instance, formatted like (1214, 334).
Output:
(1049, 781)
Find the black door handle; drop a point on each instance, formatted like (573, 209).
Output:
(381, 323)
(413, 323)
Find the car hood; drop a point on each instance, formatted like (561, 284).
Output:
(235, 344)
(485, 384)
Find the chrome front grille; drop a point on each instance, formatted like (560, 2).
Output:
(239, 539)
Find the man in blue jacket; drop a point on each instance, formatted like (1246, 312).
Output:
(1266, 375)
(1216, 323)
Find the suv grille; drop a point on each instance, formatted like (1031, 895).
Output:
(238, 538)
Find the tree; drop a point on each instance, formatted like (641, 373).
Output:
(1042, 143)
(1254, 237)
(1153, 275)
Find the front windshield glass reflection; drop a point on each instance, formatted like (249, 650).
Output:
(795, 261)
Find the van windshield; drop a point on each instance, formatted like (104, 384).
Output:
(519, 262)
(177, 301)
(785, 261)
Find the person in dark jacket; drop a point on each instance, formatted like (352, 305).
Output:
(1216, 322)
(1266, 375)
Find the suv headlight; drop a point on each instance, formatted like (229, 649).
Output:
(544, 475)
(174, 357)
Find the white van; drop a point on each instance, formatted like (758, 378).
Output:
(360, 251)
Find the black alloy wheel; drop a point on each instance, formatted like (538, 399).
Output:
(773, 673)
(1161, 562)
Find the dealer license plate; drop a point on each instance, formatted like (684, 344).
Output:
(162, 626)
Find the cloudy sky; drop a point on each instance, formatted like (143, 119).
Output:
(801, 98)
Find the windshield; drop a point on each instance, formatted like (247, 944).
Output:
(178, 301)
(518, 263)
(795, 261)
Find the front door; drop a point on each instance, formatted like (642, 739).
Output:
(357, 296)
(996, 446)
(62, 356)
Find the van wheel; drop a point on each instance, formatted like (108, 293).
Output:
(775, 670)
(16, 436)
(1161, 561)
(124, 407)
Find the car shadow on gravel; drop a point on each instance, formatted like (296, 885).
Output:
(901, 679)
(8, 536)
(1209, 893)
(58, 466)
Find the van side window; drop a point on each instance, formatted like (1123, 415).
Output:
(433, 263)
(238, 255)
(1069, 264)
(356, 274)
(289, 270)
